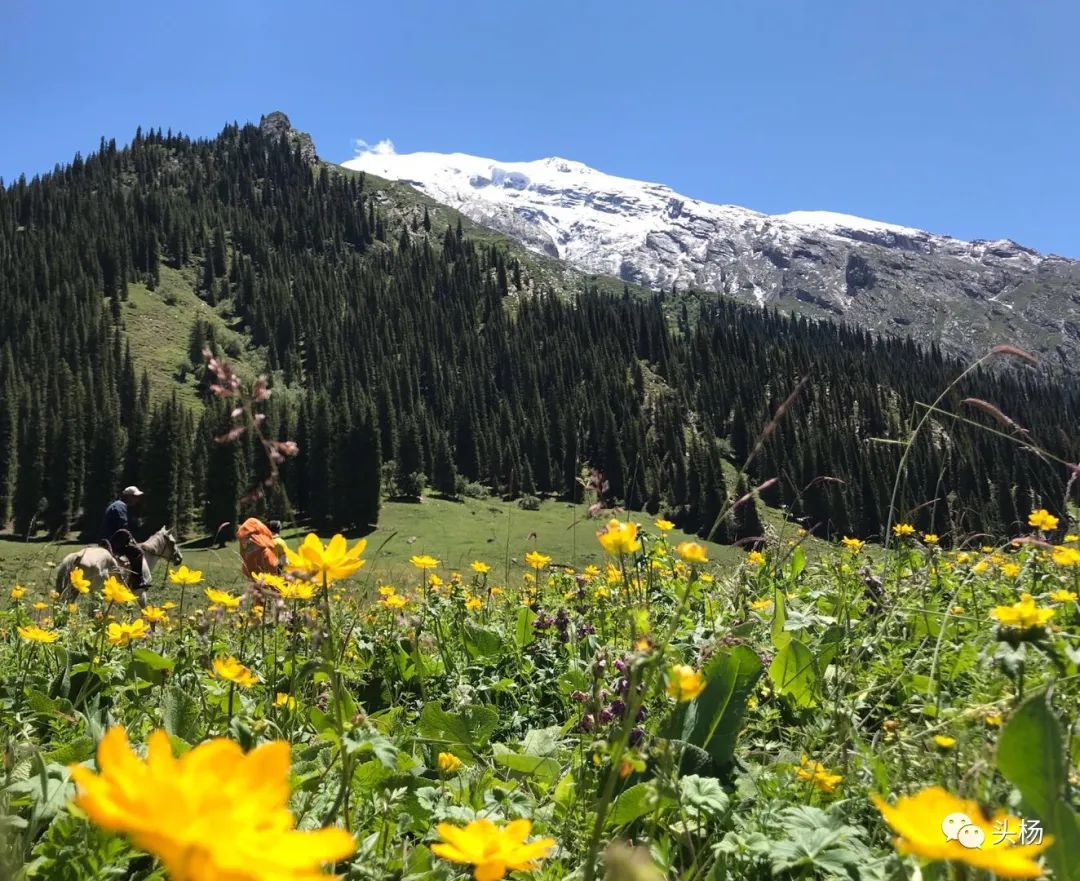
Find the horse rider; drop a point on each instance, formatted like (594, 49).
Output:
(116, 534)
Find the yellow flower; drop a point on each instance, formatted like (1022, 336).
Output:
(1071, 538)
(931, 538)
(944, 741)
(154, 614)
(17, 592)
(691, 552)
(183, 575)
(980, 567)
(612, 574)
(394, 601)
(993, 720)
(122, 634)
(168, 605)
(684, 683)
(222, 598)
(423, 561)
(297, 590)
(491, 850)
(78, 580)
(448, 763)
(231, 670)
(333, 562)
(434, 581)
(1063, 596)
(281, 699)
(213, 814)
(590, 571)
(268, 579)
(852, 544)
(664, 525)
(1043, 520)
(479, 568)
(33, 633)
(1023, 615)
(117, 592)
(39, 605)
(902, 529)
(473, 603)
(1010, 570)
(706, 578)
(619, 538)
(1064, 556)
(755, 558)
(917, 820)
(758, 605)
(537, 560)
(601, 592)
(817, 775)
(957, 610)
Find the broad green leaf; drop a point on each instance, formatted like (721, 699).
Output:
(538, 766)
(794, 674)
(780, 637)
(1031, 756)
(482, 642)
(713, 719)
(798, 564)
(632, 804)
(541, 741)
(471, 728)
(180, 714)
(523, 629)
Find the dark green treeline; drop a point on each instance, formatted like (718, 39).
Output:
(407, 355)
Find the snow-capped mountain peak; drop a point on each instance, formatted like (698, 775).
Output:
(891, 278)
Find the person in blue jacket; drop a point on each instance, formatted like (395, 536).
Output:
(116, 533)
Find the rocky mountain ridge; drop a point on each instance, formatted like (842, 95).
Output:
(962, 295)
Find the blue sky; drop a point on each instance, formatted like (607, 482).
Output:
(958, 117)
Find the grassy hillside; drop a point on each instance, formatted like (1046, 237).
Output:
(456, 533)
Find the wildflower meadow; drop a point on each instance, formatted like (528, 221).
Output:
(871, 713)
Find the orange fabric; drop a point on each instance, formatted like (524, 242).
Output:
(256, 547)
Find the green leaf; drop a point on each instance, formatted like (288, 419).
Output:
(482, 642)
(523, 629)
(153, 659)
(712, 721)
(536, 766)
(798, 564)
(780, 637)
(471, 728)
(78, 750)
(794, 674)
(541, 741)
(180, 714)
(1031, 756)
(632, 804)
(150, 666)
(703, 794)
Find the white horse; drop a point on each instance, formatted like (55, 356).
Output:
(98, 564)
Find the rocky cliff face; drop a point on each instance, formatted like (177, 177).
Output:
(965, 296)
(276, 124)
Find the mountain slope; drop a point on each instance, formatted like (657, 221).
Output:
(965, 296)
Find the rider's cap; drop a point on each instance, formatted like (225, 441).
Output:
(132, 491)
